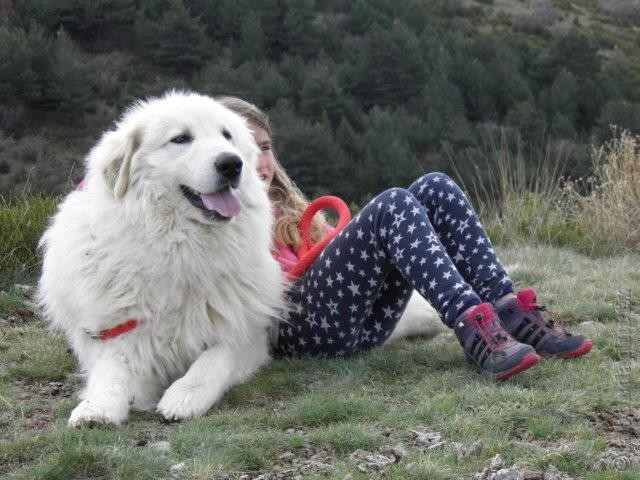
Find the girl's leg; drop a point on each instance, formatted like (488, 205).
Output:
(461, 232)
(337, 306)
(467, 243)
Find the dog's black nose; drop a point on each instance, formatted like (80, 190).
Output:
(229, 165)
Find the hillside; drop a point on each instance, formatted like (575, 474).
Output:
(363, 95)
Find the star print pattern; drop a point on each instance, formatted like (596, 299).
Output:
(425, 238)
(462, 234)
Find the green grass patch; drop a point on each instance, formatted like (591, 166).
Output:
(373, 399)
(34, 354)
(22, 222)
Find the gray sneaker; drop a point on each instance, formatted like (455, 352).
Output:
(487, 345)
(522, 317)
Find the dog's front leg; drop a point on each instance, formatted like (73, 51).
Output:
(215, 371)
(107, 394)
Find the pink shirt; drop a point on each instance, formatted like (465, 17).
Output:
(284, 254)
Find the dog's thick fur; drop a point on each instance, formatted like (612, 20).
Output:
(131, 246)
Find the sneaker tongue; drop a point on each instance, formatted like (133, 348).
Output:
(223, 202)
(527, 298)
(486, 313)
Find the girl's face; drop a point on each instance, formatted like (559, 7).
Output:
(266, 160)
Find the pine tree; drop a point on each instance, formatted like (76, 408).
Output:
(177, 41)
(387, 69)
(98, 18)
(253, 41)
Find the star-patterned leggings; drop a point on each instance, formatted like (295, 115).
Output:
(426, 237)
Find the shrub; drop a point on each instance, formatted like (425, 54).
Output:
(522, 201)
(611, 210)
(539, 16)
(515, 196)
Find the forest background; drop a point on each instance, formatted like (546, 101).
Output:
(363, 95)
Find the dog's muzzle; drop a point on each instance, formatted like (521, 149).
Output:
(229, 167)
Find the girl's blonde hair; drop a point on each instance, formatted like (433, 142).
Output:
(283, 192)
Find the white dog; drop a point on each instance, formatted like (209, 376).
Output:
(156, 284)
(159, 272)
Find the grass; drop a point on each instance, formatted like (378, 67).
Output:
(297, 409)
(22, 221)
(315, 416)
(527, 201)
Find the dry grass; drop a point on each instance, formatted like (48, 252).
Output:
(612, 209)
(527, 201)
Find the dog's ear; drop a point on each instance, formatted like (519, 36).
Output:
(117, 169)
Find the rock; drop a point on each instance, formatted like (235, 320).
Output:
(26, 290)
(553, 473)
(368, 461)
(463, 452)
(532, 475)
(508, 474)
(619, 456)
(430, 440)
(286, 456)
(589, 324)
(398, 451)
(176, 470)
(348, 476)
(2, 294)
(496, 471)
(496, 462)
(161, 447)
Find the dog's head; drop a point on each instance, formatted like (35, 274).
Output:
(185, 149)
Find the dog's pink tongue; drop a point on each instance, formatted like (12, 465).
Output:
(224, 202)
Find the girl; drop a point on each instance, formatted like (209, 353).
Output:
(426, 237)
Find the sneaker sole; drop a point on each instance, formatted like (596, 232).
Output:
(528, 361)
(583, 349)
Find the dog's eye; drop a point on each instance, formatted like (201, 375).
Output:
(226, 134)
(182, 138)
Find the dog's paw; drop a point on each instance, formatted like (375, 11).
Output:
(182, 401)
(90, 413)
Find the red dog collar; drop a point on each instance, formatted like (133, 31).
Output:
(117, 330)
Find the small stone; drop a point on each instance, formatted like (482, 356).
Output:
(286, 456)
(2, 294)
(463, 452)
(508, 474)
(553, 473)
(177, 469)
(368, 461)
(497, 462)
(431, 440)
(348, 476)
(161, 447)
(586, 325)
(399, 451)
(26, 290)
(532, 475)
